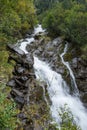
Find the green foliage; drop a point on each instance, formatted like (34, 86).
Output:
(76, 23)
(7, 107)
(43, 5)
(7, 113)
(16, 18)
(67, 119)
(69, 19)
(53, 19)
(5, 68)
(10, 23)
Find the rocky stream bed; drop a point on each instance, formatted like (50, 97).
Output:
(28, 93)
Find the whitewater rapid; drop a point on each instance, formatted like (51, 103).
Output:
(59, 94)
(27, 41)
(58, 90)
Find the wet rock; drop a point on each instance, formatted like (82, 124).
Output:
(37, 52)
(83, 62)
(16, 58)
(60, 70)
(19, 70)
(30, 59)
(17, 93)
(22, 116)
(37, 36)
(84, 97)
(28, 36)
(79, 67)
(15, 49)
(82, 85)
(19, 83)
(41, 41)
(75, 62)
(25, 40)
(11, 83)
(19, 100)
(30, 47)
(57, 41)
(23, 78)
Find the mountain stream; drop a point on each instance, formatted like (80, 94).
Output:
(58, 89)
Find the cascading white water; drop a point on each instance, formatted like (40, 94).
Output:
(59, 94)
(38, 29)
(27, 41)
(74, 85)
(58, 90)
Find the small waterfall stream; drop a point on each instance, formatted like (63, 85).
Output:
(25, 42)
(73, 82)
(57, 88)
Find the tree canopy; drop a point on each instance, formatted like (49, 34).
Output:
(16, 18)
(68, 18)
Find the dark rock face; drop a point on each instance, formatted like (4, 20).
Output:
(79, 66)
(25, 90)
(15, 49)
(23, 71)
(50, 52)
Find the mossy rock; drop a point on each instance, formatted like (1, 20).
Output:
(68, 57)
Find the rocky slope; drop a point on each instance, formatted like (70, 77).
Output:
(50, 51)
(28, 92)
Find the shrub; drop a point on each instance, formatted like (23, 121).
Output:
(69, 22)
(7, 113)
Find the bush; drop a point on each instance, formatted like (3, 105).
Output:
(8, 108)
(7, 113)
(71, 22)
(16, 18)
(67, 120)
(76, 24)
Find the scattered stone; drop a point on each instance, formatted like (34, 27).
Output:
(11, 83)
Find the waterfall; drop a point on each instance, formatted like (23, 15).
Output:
(25, 42)
(59, 94)
(73, 82)
(38, 29)
(58, 90)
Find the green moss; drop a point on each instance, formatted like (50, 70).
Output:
(5, 68)
(68, 56)
(84, 52)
